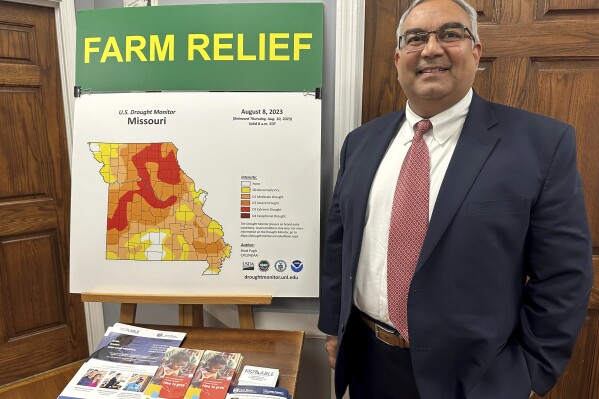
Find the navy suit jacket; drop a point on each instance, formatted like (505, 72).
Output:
(510, 208)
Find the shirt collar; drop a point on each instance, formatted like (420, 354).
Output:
(445, 124)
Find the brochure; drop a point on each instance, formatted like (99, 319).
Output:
(99, 378)
(123, 363)
(173, 376)
(260, 376)
(123, 343)
(214, 375)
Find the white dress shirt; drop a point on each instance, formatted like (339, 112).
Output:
(370, 290)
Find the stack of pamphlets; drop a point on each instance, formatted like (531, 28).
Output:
(214, 375)
(123, 363)
(174, 374)
(260, 376)
(257, 383)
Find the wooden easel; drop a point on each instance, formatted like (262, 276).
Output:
(191, 309)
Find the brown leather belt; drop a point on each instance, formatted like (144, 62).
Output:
(389, 337)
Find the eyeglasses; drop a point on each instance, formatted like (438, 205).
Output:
(447, 36)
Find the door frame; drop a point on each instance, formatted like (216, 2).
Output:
(66, 34)
(349, 72)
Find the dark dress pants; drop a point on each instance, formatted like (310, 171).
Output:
(375, 369)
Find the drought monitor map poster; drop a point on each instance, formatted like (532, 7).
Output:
(212, 193)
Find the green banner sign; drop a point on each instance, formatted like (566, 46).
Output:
(229, 47)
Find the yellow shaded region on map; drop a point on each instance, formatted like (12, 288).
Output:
(105, 153)
(184, 213)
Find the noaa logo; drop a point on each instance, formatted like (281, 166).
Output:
(263, 265)
(297, 266)
(280, 265)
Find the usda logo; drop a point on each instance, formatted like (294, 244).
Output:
(280, 265)
(263, 265)
(297, 266)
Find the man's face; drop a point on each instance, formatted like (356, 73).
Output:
(436, 78)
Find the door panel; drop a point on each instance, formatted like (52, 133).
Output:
(42, 326)
(542, 56)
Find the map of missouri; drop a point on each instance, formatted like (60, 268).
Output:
(155, 211)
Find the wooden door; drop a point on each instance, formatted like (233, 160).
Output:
(540, 55)
(42, 326)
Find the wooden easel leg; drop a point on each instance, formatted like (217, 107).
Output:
(246, 316)
(198, 315)
(191, 315)
(128, 311)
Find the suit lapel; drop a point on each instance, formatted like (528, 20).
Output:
(378, 144)
(472, 150)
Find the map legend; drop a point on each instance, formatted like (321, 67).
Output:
(246, 196)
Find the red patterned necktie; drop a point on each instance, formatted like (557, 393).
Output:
(409, 221)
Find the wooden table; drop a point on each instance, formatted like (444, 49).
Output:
(265, 348)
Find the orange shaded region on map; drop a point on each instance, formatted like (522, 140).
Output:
(155, 211)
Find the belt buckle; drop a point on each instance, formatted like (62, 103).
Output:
(377, 328)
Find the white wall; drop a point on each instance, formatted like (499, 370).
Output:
(284, 313)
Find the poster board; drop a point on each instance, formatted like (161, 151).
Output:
(197, 191)
(233, 47)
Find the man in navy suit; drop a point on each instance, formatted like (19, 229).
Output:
(502, 278)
